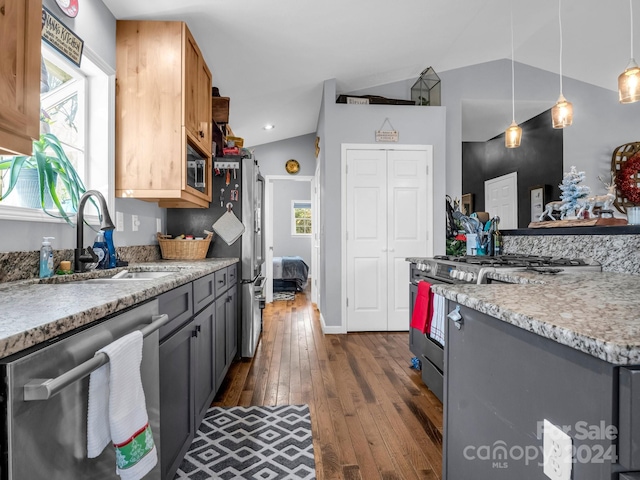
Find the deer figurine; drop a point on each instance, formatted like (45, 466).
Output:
(549, 208)
(604, 201)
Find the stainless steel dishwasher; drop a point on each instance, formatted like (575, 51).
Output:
(44, 400)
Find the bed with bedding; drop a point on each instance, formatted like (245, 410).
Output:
(289, 274)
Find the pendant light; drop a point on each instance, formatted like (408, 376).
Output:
(629, 80)
(513, 134)
(562, 111)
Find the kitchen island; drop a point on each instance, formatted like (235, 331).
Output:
(563, 348)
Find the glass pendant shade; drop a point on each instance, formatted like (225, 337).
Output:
(629, 83)
(562, 113)
(512, 136)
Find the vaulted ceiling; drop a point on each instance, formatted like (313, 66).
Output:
(271, 57)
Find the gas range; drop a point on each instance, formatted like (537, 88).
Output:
(474, 269)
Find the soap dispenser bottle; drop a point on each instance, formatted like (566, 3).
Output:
(46, 258)
(101, 250)
(108, 236)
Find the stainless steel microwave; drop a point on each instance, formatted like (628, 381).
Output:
(196, 169)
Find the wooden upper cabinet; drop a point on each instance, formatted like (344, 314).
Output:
(20, 32)
(198, 94)
(162, 82)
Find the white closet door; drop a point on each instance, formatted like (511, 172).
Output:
(367, 240)
(387, 210)
(408, 211)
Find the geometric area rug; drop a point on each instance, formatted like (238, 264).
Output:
(259, 442)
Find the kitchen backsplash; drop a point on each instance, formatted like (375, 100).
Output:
(616, 253)
(24, 265)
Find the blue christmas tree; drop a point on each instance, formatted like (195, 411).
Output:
(572, 192)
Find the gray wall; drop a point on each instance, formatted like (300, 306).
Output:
(600, 123)
(97, 27)
(341, 123)
(272, 156)
(285, 244)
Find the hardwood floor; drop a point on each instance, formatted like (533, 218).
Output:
(372, 417)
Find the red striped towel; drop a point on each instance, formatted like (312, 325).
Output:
(423, 308)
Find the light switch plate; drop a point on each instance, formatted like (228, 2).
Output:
(119, 222)
(134, 223)
(556, 446)
(159, 225)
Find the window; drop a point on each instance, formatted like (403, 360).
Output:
(301, 217)
(74, 106)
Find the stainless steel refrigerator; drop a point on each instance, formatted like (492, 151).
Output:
(252, 256)
(243, 187)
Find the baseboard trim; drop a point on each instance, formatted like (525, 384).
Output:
(331, 330)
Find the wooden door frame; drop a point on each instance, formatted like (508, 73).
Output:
(343, 211)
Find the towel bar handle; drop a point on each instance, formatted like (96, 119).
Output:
(45, 388)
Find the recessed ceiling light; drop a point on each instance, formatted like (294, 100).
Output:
(269, 127)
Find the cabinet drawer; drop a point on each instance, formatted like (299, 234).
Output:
(222, 281)
(204, 291)
(629, 418)
(434, 352)
(178, 304)
(432, 378)
(232, 272)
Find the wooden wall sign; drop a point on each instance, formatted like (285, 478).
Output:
(63, 40)
(386, 135)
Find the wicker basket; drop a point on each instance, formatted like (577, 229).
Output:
(620, 155)
(179, 249)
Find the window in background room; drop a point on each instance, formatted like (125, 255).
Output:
(301, 217)
(73, 106)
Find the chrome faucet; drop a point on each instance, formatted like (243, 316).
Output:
(80, 258)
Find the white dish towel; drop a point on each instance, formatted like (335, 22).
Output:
(438, 320)
(117, 411)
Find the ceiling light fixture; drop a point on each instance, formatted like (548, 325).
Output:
(269, 127)
(562, 111)
(629, 80)
(513, 135)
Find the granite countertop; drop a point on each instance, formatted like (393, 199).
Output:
(37, 310)
(595, 312)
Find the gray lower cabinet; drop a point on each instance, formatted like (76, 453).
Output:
(502, 382)
(226, 332)
(205, 361)
(231, 318)
(177, 427)
(221, 339)
(194, 358)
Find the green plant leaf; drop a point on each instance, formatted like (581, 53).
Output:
(53, 165)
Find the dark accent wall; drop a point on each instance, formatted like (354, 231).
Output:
(538, 161)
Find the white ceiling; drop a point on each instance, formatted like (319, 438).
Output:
(271, 57)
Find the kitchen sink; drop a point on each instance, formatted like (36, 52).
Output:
(127, 276)
(144, 274)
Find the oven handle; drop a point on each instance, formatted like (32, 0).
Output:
(45, 388)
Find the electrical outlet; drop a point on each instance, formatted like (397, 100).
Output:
(557, 454)
(119, 222)
(159, 225)
(135, 223)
